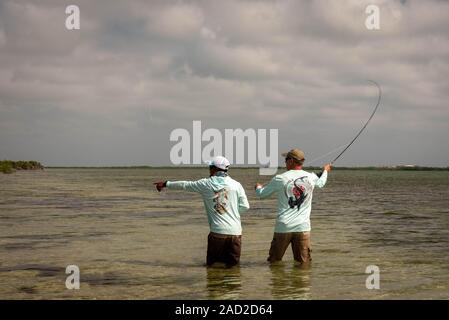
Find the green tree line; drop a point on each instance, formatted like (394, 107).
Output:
(8, 166)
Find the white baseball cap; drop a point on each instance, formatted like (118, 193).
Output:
(219, 162)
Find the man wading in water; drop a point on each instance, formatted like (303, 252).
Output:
(224, 200)
(294, 190)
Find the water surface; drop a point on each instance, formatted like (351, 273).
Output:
(131, 242)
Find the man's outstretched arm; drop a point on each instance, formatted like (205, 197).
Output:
(193, 186)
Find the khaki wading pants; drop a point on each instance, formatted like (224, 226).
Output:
(301, 246)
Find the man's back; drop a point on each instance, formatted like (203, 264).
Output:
(294, 189)
(224, 199)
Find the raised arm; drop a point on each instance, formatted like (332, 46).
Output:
(321, 181)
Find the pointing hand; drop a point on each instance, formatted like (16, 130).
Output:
(160, 185)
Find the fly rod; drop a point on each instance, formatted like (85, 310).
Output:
(363, 128)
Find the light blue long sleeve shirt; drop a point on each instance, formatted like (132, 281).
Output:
(294, 189)
(224, 199)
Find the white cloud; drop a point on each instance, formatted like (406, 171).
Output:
(179, 21)
(208, 34)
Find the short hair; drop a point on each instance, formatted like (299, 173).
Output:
(217, 168)
(296, 161)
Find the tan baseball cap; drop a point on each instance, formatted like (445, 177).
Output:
(295, 154)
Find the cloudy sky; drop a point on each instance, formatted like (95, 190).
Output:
(111, 92)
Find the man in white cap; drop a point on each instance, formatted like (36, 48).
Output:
(294, 189)
(224, 200)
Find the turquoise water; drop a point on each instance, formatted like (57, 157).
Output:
(131, 242)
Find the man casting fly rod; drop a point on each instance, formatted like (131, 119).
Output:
(294, 189)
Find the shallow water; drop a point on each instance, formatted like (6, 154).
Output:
(131, 242)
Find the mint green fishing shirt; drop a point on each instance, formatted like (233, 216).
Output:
(224, 199)
(294, 189)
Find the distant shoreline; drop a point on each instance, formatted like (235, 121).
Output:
(397, 168)
(9, 166)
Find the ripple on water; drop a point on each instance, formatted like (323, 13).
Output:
(43, 270)
(29, 290)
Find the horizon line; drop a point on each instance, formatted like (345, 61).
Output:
(241, 166)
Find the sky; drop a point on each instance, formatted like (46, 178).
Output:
(111, 93)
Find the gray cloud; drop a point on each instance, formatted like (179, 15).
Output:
(110, 93)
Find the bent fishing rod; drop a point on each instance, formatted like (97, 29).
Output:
(363, 128)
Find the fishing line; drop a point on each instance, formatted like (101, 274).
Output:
(325, 155)
(363, 128)
(358, 134)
